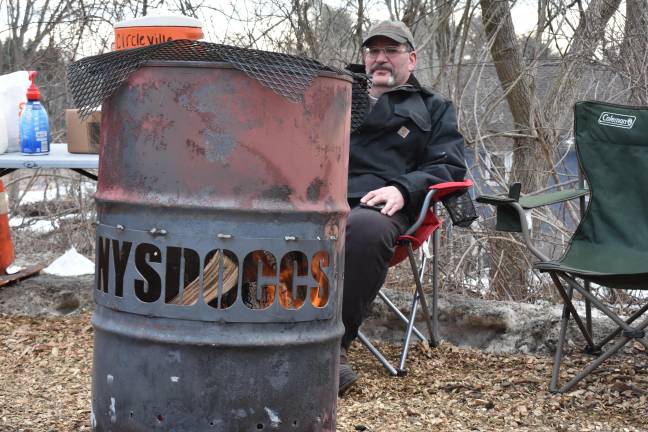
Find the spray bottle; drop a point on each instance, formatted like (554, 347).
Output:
(34, 125)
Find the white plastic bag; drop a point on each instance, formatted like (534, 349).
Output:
(13, 93)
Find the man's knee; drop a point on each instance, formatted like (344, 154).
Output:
(371, 229)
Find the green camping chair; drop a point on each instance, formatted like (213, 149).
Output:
(610, 245)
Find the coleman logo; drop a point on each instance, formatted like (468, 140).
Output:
(617, 120)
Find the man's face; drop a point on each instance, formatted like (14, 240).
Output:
(388, 62)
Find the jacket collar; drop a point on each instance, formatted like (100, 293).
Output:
(414, 108)
(412, 85)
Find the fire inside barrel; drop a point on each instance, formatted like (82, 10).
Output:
(219, 276)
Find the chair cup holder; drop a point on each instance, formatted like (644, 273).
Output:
(460, 208)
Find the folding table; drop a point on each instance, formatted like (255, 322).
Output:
(58, 158)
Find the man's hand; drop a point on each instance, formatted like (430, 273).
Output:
(390, 195)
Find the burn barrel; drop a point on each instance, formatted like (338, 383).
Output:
(221, 211)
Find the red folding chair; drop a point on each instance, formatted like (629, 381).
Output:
(426, 225)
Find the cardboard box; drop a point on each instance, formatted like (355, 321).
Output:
(82, 135)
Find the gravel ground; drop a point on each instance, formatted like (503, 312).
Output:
(45, 370)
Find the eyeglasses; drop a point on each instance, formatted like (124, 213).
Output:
(389, 51)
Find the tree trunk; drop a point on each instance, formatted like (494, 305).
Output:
(537, 137)
(634, 50)
(443, 40)
(358, 27)
(508, 271)
(587, 38)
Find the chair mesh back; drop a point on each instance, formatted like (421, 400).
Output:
(612, 147)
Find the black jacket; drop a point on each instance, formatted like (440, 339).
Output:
(409, 140)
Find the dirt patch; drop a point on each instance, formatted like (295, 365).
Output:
(48, 295)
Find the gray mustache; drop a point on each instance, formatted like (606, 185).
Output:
(374, 69)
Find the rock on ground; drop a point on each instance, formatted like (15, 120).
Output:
(489, 325)
(48, 295)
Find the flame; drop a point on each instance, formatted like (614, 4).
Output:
(319, 293)
(320, 299)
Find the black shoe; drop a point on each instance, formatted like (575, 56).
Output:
(347, 376)
(347, 379)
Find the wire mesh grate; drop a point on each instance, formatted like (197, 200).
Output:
(93, 79)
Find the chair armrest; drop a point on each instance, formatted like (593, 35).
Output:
(507, 207)
(533, 201)
(446, 188)
(501, 200)
(495, 200)
(507, 218)
(511, 217)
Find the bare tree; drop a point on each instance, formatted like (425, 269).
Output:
(536, 135)
(634, 51)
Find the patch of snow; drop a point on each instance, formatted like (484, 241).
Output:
(71, 263)
(35, 225)
(34, 196)
(641, 294)
(580, 308)
(13, 269)
(41, 226)
(479, 285)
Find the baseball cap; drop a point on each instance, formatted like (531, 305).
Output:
(395, 30)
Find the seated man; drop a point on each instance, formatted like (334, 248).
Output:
(407, 142)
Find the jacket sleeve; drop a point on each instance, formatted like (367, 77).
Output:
(442, 160)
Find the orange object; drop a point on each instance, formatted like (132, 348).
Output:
(6, 245)
(149, 30)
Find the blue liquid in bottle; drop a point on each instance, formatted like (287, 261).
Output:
(34, 123)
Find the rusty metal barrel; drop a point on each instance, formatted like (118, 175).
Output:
(221, 210)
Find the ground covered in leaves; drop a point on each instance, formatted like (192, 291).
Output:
(45, 372)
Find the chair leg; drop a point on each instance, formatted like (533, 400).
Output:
(419, 295)
(596, 302)
(588, 310)
(400, 315)
(593, 365)
(366, 342)
(410, 329)
(616, 332)
(420, 274)
(607, 354)
(434, 337)
(567, 300)
(629, 332)
(419, 288)
(564, 322)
